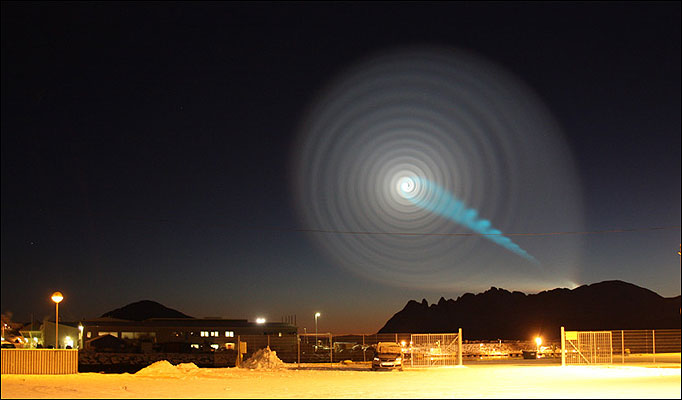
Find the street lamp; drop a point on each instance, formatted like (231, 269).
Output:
(538, 342)
(317, 315)
(80, 335)
(57, 297)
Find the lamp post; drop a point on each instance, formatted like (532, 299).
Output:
(57, 297)
(80, 336)
(538, 342)
(317, 315)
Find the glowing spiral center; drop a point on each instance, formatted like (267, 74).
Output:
(406, 186)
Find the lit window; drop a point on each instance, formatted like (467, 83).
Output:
(215, 346)
(229, 333)
(194, 345)
(214, 333)
(204, 333)
(229, 346)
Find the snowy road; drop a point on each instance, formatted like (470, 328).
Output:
(479, 381)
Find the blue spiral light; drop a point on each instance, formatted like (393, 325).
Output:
(398, 129)
(439, 201)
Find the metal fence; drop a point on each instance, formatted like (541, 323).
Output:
(621, 346)
(646, 346)
(321, 347)
(335, 350)
(39, 361)
(325, 350)
(586, 347)
(285, 346)
(435, 350)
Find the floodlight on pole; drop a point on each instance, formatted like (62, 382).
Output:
(57, 297)
(317, 315)
(538, 342)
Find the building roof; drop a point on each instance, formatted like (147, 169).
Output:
(30, 326)
(71, 324)
(105, 341)
(185, 322)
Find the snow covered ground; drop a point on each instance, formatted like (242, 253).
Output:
(354, 380)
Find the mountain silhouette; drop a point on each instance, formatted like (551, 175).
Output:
(144, 309)
(500, 314)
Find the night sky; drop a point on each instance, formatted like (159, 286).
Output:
(147, 149)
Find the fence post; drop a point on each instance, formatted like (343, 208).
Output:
(653, 343)
(363, 348)
(563, 347)
(239, 350)
(411, 351)
(622, 347)
(459, 336)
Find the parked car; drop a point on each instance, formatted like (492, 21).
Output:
(388, 355)
(8, 345)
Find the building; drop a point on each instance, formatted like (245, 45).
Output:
(32, 334)
(197, 333)
(69, 335)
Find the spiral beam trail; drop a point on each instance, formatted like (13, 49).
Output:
(397, 121)
(436, 199)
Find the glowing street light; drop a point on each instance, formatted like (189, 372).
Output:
(538, 342)
(317, 315)
(57, 297)
(260, 320)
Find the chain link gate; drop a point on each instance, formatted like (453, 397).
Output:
(435, 350)
(586, 347)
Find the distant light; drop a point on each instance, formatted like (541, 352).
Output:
(260, 320)
(403, 343)
(80, 327)
(35, 339)
(538, 340)
(317, 315)
(57, 297)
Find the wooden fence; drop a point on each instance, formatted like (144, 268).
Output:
(40, 361)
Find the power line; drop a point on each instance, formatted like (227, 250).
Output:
(398, 233)
(658, 228)
(345, 232)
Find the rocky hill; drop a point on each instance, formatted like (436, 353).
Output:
(500, 314)
(144, 309)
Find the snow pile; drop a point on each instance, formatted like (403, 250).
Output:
(159, 368)
(187, 367)
(264, 359)
(168, 370)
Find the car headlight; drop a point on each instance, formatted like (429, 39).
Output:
(398, 359)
